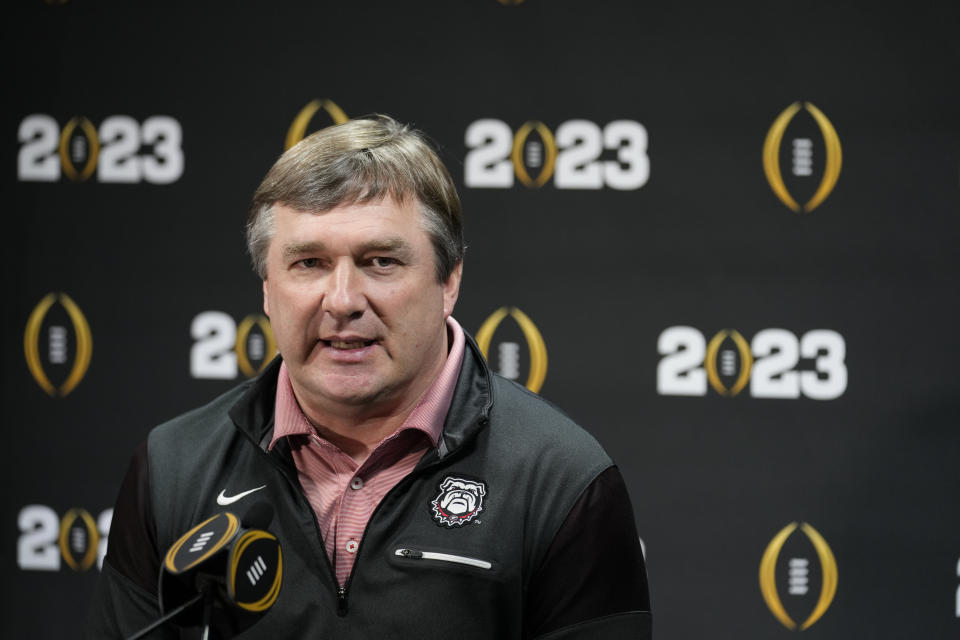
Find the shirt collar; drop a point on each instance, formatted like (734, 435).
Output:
(428, 416)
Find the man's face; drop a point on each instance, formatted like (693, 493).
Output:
(355, 305)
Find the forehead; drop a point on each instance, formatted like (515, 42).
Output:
(351, 223)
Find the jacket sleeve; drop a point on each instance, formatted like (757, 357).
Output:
(125, 599)
(592, 584)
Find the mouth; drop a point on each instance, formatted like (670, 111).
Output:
(348, 345)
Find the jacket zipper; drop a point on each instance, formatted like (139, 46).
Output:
(443, 557)
(341, 591)
(341, 601)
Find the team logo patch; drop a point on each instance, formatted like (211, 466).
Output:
(459, 501)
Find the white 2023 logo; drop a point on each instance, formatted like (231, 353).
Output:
(571, 157)
(769, 363)
(113, 152)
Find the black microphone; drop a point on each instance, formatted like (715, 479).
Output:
(231, 561)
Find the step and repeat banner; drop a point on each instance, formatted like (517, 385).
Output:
(722, 237)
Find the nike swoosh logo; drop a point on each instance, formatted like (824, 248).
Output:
(223, 499)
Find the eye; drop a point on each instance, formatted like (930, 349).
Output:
(382, 262)
(308, 263)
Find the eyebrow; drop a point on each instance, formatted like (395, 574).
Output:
(388, 245)
(299, 248)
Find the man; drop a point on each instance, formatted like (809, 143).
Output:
(415, 493)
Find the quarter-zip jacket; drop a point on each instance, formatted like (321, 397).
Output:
(552, 551)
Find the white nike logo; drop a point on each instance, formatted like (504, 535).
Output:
(223, 499)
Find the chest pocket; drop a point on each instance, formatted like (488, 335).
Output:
(426, 561)
(413, 554)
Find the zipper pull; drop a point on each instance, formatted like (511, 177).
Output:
(409, 553)
(342, 601)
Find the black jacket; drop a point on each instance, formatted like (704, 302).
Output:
(554, 524)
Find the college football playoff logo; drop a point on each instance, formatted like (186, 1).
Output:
(802, 157)
(459, 501)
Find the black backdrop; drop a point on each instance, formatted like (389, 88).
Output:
(753, 369)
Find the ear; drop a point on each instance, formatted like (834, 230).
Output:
(266, 299)
(451, 289)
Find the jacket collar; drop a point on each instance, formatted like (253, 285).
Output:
(472, 398)
(252, 414)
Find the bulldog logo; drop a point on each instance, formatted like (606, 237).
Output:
(459, 501)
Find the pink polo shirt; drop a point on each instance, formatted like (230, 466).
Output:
(344, 493)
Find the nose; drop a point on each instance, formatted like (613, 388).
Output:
(344, 297)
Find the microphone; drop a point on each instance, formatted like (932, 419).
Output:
(227, 560)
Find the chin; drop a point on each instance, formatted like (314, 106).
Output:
(354, 400)
(355, 394)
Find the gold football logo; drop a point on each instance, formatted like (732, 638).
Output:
(713, 372)
(93, 148)
(267, 543)
(549, 150)
(31, 344)
(78, 539)
(771, 157)
(243, 334)
(298, 130)
(535, 344)
(828, 570)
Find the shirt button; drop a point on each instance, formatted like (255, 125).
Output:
(356, 483)
(352, 546)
